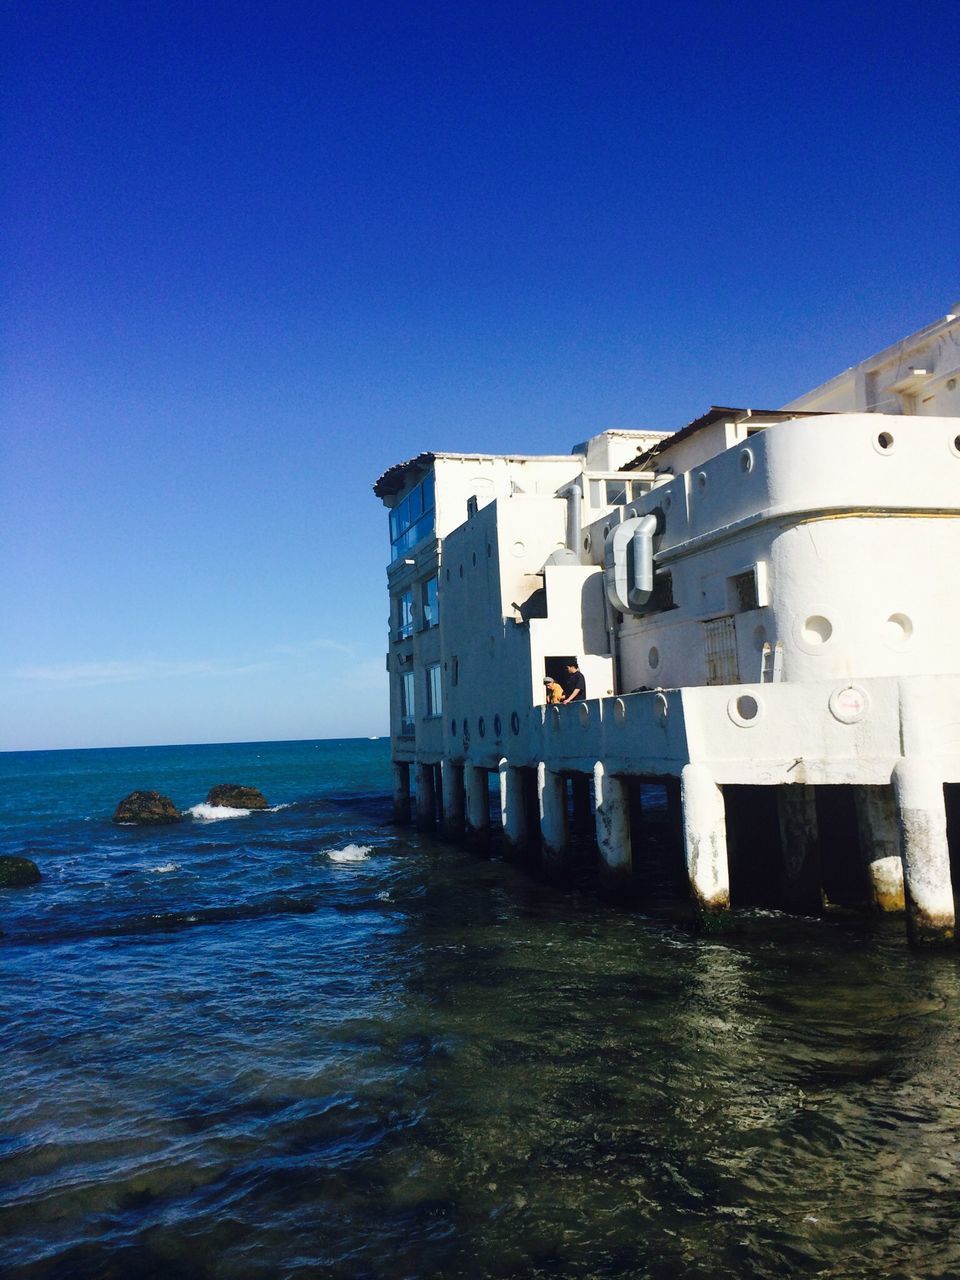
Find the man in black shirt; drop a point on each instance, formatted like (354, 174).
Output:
(574, 685)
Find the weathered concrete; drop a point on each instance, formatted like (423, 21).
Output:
(918, 790)
(800, 889)
(451, 787)
(613, 828)
(401, 792)
(478, 801)
(512, 811)
(880, 842)
(705, 838)
(426, 797)
(555, 836)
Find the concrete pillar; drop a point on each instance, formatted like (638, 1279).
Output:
(426, 797)
(401, 791)
(880, 842)
(512, 811)
(705, 838)
(552, 797)
(613, 828)
(451, 788)
(918, 790)
(478, 800)
(800, 890)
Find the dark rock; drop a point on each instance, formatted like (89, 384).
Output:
(147, 808)
(15, 872)
(230, 795)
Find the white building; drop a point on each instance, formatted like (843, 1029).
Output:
(763, 599)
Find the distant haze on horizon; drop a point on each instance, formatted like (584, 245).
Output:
(255, 255)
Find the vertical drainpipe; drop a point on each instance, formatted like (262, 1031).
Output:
(574, 496)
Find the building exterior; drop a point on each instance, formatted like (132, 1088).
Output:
(763, 607)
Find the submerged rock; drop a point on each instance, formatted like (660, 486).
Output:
(16, 872)
(230, 795)
(147, 808)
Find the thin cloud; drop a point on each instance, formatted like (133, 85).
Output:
(131, 671)
(313, 646)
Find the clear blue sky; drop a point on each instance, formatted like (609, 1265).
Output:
(255, 253)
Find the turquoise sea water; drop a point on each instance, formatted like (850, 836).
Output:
(302, 1043)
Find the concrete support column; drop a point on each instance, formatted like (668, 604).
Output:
(478, 800)
(401, 792)
(451, 788)
(426, 797)
(512, 811)
(552, 797)
(705, 838)
(613, 827)
(800, 890)
(880, 842)
(918, 790)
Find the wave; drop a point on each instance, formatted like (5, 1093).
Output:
(350, 853)
(165, 867)
(216, 812)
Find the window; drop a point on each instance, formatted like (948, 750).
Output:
(404, 615)
(434, 697)
(428, 602)
(616, 493)
(412, 520)
(406, 705)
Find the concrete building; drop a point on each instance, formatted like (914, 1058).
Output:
(763, 607)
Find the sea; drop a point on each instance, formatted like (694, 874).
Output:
(302, 1042)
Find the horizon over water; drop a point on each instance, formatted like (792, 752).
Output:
(305, 1043)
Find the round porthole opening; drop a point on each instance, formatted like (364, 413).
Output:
(817, 630)
(481, 727)
(497, 726)
(746, 461)
(515, 723)
(885, 441)
(653, 657)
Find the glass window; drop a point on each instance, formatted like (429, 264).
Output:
(412, 520)
(434, 698)
(406, 705)
(404, 615)
(616, 493)
(428, 602)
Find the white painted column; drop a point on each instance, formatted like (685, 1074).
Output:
(800, 888)
(478, 800)
(426, 797)
(705, 838)
(451, 786)
(551, 793)
(401, 791)
(512, 812)
(880, 842)
(918, 790)
(613, 826)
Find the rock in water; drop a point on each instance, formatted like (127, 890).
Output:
(147, 808)
(15, 872)
(230, 795)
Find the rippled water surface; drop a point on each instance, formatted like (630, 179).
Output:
(300, 1043)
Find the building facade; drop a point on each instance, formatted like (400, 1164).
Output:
(762, 604)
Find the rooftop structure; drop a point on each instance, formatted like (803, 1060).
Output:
(757, 600)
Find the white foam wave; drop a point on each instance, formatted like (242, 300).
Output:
(350, 853)
(275, 808)
(216, 812)
(165, 867)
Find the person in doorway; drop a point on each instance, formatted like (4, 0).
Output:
(574, 685)
(554, 691)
